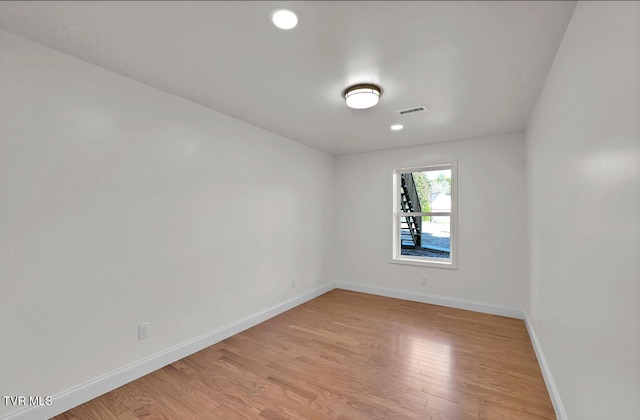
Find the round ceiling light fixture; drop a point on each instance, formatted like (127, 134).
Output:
(284, 19)
(362, 96)
(396, 127)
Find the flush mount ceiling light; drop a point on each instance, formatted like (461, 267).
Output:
(397, 127)
(362, 96)
(284, 19)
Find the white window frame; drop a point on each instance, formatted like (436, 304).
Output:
(396, 256)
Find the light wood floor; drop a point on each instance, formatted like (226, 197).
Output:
(347, 355)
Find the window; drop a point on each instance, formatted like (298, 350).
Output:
(424, 216)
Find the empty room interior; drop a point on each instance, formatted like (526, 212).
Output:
(320, 210)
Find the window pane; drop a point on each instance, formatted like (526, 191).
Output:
(425, 191)
(426, 238)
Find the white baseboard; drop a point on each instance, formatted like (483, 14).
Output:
(561, 414)
(82, 393)
(435, 300)
(85, 392)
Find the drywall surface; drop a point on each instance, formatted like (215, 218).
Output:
(122, 204)
(583, 148)
(492, 254)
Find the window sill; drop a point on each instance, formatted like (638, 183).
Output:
(424, 263)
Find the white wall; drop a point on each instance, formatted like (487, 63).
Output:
(492, 254)
(120, 204)
(583, 147)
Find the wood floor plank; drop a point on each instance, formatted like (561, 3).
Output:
(69, 415)
(110, 400)
(347, 355)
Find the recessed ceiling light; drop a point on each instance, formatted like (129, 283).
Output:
(397, 127)
(362, 96)
(284, 19)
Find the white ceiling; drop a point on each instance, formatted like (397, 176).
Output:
(478, 66)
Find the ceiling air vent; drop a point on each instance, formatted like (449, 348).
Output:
(413, 110)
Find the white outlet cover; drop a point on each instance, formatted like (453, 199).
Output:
(144, 330)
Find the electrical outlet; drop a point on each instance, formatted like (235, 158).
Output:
(424, 281)
(293, 284)
(144, 331)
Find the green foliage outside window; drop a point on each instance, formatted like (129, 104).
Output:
(425, 187)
